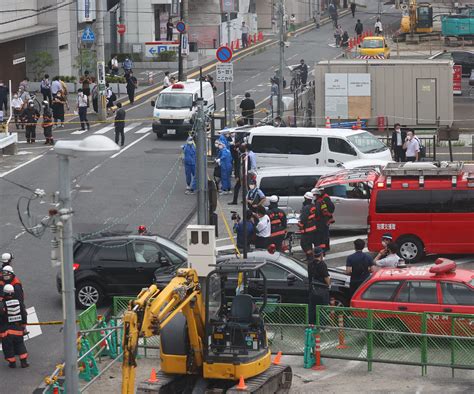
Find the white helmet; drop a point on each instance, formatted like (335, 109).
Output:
(317, 191)
(274, 198)
(308, 196)
(8, 289)
(7, 257)
(8, 268)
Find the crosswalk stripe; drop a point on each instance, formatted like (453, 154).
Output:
(104, 130)
(143, 130)
(79, 132)
(131, 127)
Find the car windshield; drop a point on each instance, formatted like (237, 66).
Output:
(176, 248)
(174, 101)
(372, 44)
(367, 143)
(295, 265)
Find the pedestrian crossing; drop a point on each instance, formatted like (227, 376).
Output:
(106, 129)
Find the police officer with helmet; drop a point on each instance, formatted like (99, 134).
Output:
(278, 222)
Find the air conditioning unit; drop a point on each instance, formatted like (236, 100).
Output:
(201, 245)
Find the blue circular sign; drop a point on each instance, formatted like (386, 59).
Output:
(224, 54)
(181, 26)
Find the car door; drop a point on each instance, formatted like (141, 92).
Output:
(147, 257)
(283, 284)
(339, 151)
(305, 151)
(277, 185)
(300, 184)
(351, 201)
(271, 150)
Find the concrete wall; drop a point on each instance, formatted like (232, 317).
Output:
(393, 88)
(9, 16)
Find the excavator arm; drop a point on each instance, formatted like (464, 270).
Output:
(153, 310)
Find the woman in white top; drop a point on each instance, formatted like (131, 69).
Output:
(263, 228)
(391, 261)
(17, 105)
(378, 27)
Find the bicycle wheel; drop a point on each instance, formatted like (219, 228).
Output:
(293, 85)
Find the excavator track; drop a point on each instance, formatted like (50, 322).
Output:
(276, 379)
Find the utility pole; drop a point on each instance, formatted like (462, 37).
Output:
(201, 173)
(122, 22)
(101, 61)
(229, 96)
(282, 54)
(70, 335)
(182, 62)
(318, 14)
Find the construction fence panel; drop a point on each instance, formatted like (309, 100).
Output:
(87, 320)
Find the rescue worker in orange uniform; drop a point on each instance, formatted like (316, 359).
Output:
(325, 208)
(13, 319)
(9, 278)
(307, 225)
(278, 223)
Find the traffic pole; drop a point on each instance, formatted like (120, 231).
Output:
(101, 62)
(281, 59)
(341, 335)
(229, 95)
(318, 366)
(203, 216)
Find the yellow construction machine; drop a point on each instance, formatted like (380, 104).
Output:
(205, 345)
(416, 18)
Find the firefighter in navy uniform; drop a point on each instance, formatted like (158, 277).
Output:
(9, 278)
(278, 222)
(307, 225)
(12, 327)
(325, 208)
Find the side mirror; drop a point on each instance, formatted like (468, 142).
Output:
(291, 279)
(359, 46)
(152, 103)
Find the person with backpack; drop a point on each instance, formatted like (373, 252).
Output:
(45, 87)
(422, 152)
(412, 147)
(111, 97)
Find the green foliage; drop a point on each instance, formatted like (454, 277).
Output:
(66, 78)
(86, 60)
(39, 62)
(166, 56)
(115, 79)
(135, 57)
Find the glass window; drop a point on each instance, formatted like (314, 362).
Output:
(367, 142)
(339, 145)
(303, 183)
(353, 190)
(174, 100)
(174, 258)
(403, 201)
(146, 252)
(457, 294)
(420, 292)
(270, 144)
(273, 272)
(81, 250)
(337, 191)
(304, 145)
(381, 291)
(462, 201)
(372, 44)
(441, 201)
(112, 251)
(278, 185)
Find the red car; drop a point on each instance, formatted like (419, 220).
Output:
(440, 289)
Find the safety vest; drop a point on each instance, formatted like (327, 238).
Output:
(13, 318)
(326, 206)
(307, 223)
(277, 221)
(47, 119)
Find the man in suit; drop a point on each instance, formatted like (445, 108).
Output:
(398, 138)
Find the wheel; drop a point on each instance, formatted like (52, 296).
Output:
(293, 85)
(159, 136)
(390, 338)
(410, 249)
(340, 300)
(87, 294)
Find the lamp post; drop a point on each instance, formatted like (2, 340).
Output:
(95, 145)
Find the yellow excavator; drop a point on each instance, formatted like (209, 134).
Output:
(416, 18)
(205, 346)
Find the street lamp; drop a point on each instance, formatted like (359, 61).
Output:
(95, 145)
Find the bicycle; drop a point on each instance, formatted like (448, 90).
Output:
(295, 78)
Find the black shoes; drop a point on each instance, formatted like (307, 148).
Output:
(24, 363)
(12, 364)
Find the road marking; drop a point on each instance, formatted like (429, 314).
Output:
(143, 130)
(104, 130)
(34, 331)
(129, 146)
(340, 254)
(79, 132)
(131, 126)
(19, 234)
(291, 57)
(22, 165)
(346, 239)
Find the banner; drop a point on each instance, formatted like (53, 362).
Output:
(86, 11)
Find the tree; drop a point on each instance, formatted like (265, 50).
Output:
(86, 60)
(39, 62)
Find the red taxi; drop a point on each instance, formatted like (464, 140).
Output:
(442, 289)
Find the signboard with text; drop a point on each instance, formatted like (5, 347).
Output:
(457, 79)
(228, 6)
(86, 11)
(225, 72)
(153, 48)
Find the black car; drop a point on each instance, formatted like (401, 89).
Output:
(463, 58)
(120, 265)
(287, 279)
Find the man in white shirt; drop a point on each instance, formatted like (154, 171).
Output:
(114, 65)
(166, 80)
(263, 228)
(391, 261)
(412, 147)
(82, 109)
(17, 105)
(55, 86)
(378, 27)
(245, 35)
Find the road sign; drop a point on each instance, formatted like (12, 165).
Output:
(184, 44)
(121, 29)
(224, 54)
(225, 72)
(153, 48)
(88, 35)
(228, 6)
(181, 26)
(101, 77)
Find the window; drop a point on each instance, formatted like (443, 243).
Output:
(367, 143)
(278, 185)
(441, 201)
(420, 292)
(339, 145)
(270, 144)
(353, 190)
(112, 251)
(463, 201)
(81, 250)
(372, 44)
(381, 291)
(303, 183)
(174, 101)
(304, 145)
(457, 294)
(174, 258)
(403, 201)
(273, 272)
(146, 252)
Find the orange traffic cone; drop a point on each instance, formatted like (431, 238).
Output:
(277, 359)
(153, 378)
(241, 385)
(237, 44)
(328, 123)
(260, 36)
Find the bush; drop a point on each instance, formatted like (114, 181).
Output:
(39, 62)
(166, 56)
(135, 57)
(67, 78)
(115, 79)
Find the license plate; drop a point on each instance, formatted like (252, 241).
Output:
(171, 131)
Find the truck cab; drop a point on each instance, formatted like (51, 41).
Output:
(374, 47)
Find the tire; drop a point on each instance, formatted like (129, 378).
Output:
(340, 300)
(88, 293)
(293, 85)
(391, 339)
(159, 136)
(410, 248)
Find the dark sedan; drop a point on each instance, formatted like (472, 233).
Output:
(463, 58)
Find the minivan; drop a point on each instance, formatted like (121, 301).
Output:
(302, 146)
(176, 107)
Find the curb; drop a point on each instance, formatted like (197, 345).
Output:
(179, 227)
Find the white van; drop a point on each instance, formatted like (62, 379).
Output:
(302, 146)
(175, 107)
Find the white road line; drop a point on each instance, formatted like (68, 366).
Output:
(79, 132)
(291, 57)
(104, 130)
(143, 130)
(347, 239)
(220, 94)
(21, 165)
(131, 127)
(340, 254)
(129, 146)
